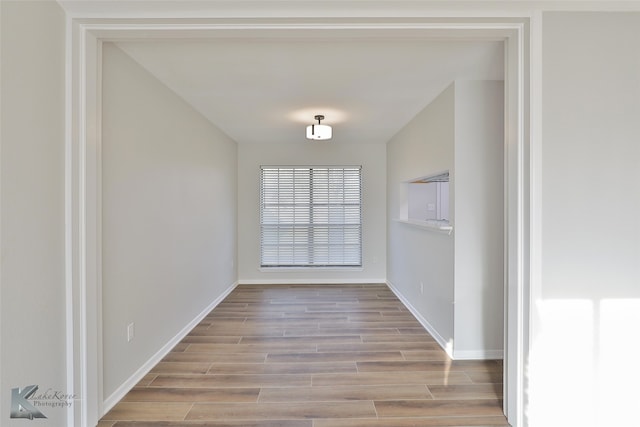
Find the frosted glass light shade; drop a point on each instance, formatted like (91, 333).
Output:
(319, 132)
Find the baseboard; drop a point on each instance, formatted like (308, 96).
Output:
(312, 282)
(478, 354)
(121, 391)
(446, 346)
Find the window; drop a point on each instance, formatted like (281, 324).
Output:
(310, 216)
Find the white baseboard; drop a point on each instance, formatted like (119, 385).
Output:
(121, 391)
(312, 281)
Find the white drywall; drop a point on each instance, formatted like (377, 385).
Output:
(461, 275)
(585, 315)
(303, 152)
(32, 292)
(479, 224)
(415, 255)
(169, 215)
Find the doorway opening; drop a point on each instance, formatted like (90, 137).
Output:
(84, 175)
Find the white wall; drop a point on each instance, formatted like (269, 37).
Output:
(587, 311)
(32, 291)
(169, 215)
(424, 147)
(479, 223)
(303, 152)
(463, 273)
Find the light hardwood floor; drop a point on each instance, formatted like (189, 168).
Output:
(312, 356)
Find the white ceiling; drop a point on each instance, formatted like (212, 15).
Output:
(268, 89)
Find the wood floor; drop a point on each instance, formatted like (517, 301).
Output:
(312, 356)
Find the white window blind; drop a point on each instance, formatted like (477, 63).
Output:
(310, 216)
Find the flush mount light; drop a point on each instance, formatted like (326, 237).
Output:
(319, 132)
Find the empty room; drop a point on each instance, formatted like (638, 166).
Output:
(192, 196)
(350, 214)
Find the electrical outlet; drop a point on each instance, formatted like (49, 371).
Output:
(130, 331)
(421, 288)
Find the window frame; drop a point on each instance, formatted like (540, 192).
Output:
(340, 245)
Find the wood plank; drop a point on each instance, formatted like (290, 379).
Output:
(216, 357)
(426, 355)
(339, 393)
(397, 338)
(250, 348)
(414, 422)
(470, 366)
(390, 323)
(293, 340)
(466, 391)
(210, 423)
(167, 394)
(148, 411)
(485, 377)
(210, 339)
(439, 408)
(244, 330)
(284, 411)
(344, 330)
(180, 368)
(283, 368)
(225, 381)
(378, 346)
(355, 356)
(391, 378)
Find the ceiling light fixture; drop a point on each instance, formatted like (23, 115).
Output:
(319, 132)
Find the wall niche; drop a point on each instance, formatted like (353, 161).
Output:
(428, 198)
(427, 202)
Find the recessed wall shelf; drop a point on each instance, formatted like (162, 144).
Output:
(432, 225)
